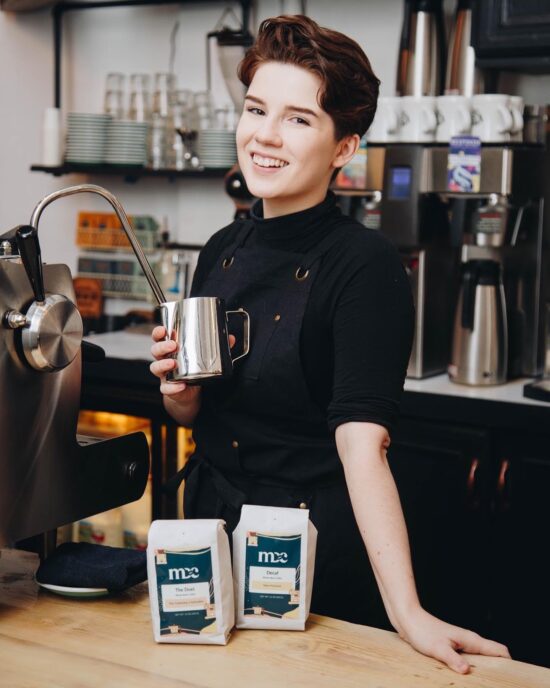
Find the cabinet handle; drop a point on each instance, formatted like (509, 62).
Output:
(473, 500)
(503, 489)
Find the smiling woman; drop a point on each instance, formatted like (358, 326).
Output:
(287, 147)
(305, 420)
(304, 110)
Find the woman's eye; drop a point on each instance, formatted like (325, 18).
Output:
(255, 111)
(300, 120)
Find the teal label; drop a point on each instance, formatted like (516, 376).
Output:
(272, 581)
(185, 587)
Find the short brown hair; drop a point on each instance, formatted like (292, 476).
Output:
(349, 87)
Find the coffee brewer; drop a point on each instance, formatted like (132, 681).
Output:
(435, 230)
(49, 475)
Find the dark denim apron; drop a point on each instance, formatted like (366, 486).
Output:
(260, 437)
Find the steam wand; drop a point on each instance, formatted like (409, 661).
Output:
(121, 214)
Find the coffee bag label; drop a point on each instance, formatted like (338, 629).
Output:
(185, 588)
(272, 579)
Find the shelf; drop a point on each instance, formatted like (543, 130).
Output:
(130, 172)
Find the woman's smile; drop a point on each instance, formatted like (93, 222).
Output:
(266, 164)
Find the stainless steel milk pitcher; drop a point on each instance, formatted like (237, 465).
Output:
(199, 327)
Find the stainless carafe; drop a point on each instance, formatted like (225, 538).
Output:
(462, 76)
(425, 63)
(403, 54)
(480, 338)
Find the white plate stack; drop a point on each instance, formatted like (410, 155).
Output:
(126, 142)
(86, 137)
(217, 148)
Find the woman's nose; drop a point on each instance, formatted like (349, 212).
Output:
(268, 133)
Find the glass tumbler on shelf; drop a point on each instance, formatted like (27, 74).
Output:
(158, 138)
(165, 84)
(114, 95)
(204, 110)
(139, 110)
(181, 135)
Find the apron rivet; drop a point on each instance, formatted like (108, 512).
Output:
(303, 505)
(277, 318)
(235, 444)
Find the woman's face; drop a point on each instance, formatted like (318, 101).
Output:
(285, 141)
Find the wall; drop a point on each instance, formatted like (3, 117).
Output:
(134, 40)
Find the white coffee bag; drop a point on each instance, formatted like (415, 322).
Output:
(190, 581)
(273, 566)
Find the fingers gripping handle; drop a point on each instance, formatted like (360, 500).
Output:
(246, 335)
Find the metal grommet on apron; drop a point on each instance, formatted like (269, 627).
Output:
(301, 274)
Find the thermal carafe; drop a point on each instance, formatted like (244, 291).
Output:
(462, 76)
(425, 64)
(480, 337)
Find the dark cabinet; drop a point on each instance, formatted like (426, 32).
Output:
(442, 473)
(512, 34)
(477, 506)
(520, 544)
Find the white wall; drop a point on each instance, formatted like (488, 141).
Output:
(133, 40)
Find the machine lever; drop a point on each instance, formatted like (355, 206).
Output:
(29, 250)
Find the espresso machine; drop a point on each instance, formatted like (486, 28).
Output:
(49, 475)
(437, 231)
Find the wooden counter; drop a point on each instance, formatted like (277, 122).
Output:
(50, 641)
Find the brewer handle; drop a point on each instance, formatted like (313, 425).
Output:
(246, 328)
(469, 284)
(31, 257)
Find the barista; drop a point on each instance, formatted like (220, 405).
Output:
(305, 420)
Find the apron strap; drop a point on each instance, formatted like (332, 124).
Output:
(228, 494)
(242, 236)
(316, 254)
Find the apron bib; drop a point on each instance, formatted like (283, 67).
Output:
(261, 438)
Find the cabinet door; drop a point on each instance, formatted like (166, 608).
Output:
(512, 34)
(441, 473)
(520, 583)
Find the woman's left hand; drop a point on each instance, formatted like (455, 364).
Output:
(435, 638)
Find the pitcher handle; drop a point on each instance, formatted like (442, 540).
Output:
(246, 336)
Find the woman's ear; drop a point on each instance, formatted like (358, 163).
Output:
(346, 149)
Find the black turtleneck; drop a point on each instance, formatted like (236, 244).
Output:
(358, 325)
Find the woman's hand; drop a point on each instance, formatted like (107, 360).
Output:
(435, 638)
(178, 392)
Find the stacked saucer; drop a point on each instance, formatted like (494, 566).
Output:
(86, 137)
(126, 142)
(217, 148)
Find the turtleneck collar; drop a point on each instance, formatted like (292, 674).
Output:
(296, 230)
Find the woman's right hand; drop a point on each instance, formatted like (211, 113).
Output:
(176, 391)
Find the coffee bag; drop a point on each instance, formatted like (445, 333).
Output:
(273, 566)
(190, 581)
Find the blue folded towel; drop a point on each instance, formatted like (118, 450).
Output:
(84, 565)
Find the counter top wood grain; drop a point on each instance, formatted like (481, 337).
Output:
(51, 641)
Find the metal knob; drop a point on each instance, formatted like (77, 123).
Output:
(54, 333)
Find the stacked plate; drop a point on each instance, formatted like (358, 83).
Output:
(217, 148)
(86, 137)
(126, 142)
